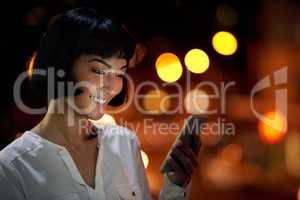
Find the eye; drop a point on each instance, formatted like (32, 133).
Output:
(99, 71)
(121, 75)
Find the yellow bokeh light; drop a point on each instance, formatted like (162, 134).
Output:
(274, 131)
(145, 159)
(156, 102)
(196, 102)
(225, 43)
(105, 120)
(168, 67)
(196, 61)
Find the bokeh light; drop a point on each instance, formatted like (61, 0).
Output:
(145, 158)
(30, 64)
(196, 101)
(224, 43)
(210, 139)
(105, 120)
(19, 134)
(273, 131)
(35, 16)
(138, 56)
(197, 61)
(226, 15)
(156, 102)
(292, 152)
(232, 154)
(168, 67)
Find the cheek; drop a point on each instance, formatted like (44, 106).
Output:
(118, 86)
(91, 84)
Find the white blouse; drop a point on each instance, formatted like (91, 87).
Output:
(33, 168)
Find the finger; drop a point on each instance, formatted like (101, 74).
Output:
(179, 143)
(184, 160)
(196, 143)
(190, 154)
(174, 165)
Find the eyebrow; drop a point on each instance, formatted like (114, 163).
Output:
(104, 63)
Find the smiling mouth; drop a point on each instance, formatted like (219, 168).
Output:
(99, 100)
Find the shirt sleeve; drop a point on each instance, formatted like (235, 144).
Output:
(8, 189)
(169, 191)
(141, 173)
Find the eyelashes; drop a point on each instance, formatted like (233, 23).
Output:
(104, 72)
(98, 71)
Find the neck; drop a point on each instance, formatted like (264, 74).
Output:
(63, 125)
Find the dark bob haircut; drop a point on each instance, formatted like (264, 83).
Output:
(80, 31)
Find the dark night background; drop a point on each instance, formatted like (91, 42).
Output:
(268, 33)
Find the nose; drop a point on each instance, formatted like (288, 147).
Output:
(112, 83)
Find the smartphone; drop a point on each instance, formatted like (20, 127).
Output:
(189, 135)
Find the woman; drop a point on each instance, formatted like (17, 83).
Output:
(67, 157)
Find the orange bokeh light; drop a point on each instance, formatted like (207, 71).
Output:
(274, 131)
(30, 64)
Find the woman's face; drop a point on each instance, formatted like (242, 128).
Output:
(101, 80)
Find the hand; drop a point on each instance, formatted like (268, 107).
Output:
(183, 160)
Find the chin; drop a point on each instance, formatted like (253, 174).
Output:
(95, 116)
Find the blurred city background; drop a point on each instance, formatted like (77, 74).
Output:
(228, 44)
